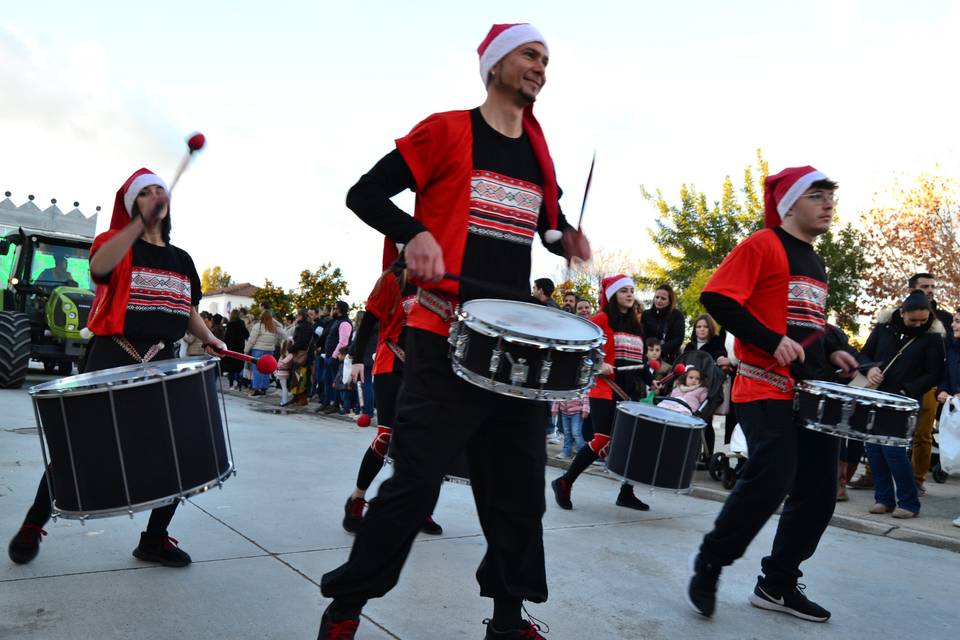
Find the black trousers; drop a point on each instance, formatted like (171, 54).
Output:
(103, 353)
(785, 460)
(440, 415)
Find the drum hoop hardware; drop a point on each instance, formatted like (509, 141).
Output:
(903, 403)
(73, 466)
(152, 378)
(890, 441)
(662, 420)
(123, 465)
(503, 388)
(173, 439)
(213, 441)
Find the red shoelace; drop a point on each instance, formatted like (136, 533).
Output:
(169, 544)
(342, 630)
(356, 507)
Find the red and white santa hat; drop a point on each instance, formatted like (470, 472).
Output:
(783, 190)
(501, 40)
(611, 284)
(127, 194)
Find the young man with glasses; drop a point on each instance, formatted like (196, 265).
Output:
(771, 293)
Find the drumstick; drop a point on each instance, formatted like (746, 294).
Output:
(266, 364)
(808, 340)
(586, 191)
(194, 144)
(862, 367)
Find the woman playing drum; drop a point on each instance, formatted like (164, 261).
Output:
(146, 299)
(624, 347)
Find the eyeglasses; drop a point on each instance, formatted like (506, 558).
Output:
(822, 197)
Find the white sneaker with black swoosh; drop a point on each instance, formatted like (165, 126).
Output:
(787, 600)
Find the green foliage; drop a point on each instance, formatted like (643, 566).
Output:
(843, 253)
(214, 278)
(320, 288)
(688, 300)
(275, 297)
(582, 285)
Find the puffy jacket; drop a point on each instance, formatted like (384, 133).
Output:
(919, 367)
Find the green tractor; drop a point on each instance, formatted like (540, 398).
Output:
(46, 300)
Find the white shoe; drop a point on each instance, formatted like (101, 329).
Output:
(554, 440)
(563, 456)
(956, 522)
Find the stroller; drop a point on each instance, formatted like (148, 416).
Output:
(712, 377)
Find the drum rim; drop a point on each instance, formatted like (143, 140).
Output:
(493, 331)
(833, 392)
(195, 364)
(683, 491)
(833, 430)
(149, 504)
(514, 391)
(702, 423)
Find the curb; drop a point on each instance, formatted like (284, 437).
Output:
(850, 523)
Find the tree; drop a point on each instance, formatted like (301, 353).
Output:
(912, 227)
(843, 254)
(694, 236)
(214, 278)
(320, 288)
(275, 297)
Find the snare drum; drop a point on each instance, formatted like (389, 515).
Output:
(132, 438)
(525, 350)
(855, 412)
(655, 446)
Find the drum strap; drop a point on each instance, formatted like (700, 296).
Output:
(763, 375)
(397, 351)
(129, 348)
(435, 303)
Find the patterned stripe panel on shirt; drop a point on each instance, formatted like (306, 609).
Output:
(806, 303)
(627, 346)
(159, 290)
(504, 208)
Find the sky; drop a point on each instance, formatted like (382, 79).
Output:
(299, 99)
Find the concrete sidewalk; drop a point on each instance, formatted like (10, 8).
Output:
(261, 544)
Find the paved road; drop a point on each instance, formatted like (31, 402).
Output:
(261, 544)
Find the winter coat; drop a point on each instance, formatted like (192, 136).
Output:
(950, 382)
(666, 327)
(262, 339)
(919, 367)
(693, 397)
(235, 336)
(714, 346)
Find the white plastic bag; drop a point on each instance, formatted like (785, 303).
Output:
(738, 441)
(950, 436)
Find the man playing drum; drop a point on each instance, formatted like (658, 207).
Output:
(147, 293)
(771, 292)
(485, 188)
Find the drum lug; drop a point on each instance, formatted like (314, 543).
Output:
(130, 513)
(545, 369)
(459, 343)
(495, 358)
(871, 417)
(519, 370)
(821, 405)
(846, 412)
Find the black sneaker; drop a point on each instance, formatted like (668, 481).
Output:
(702, 590)
(561, 492)
(629, 500)
(338, 628)
(353, 514)
(25, 546)
(787, 600)
(526, 631)
(430, 526)
(162, 550)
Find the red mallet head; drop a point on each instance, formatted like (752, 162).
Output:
(266, 364)
(680, 369)
(196, 142)
(363, 420)
(654, 364)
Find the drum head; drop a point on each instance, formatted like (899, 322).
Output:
(531, 321)
(653, 413)
(860, 395)
(145, 373)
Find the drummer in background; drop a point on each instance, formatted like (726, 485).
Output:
(624, 347)
(485, 189)
(771, 293)
(147, 293)
(908, 342)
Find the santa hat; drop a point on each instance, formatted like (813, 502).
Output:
(783, 190)
(611, 284)
(127, 195)
(501, 40)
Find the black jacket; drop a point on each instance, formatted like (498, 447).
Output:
(666, 327)
(302, 338)
(919, 367)
(715, 346)
(235, 336)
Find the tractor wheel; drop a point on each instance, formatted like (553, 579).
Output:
(14, 348)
